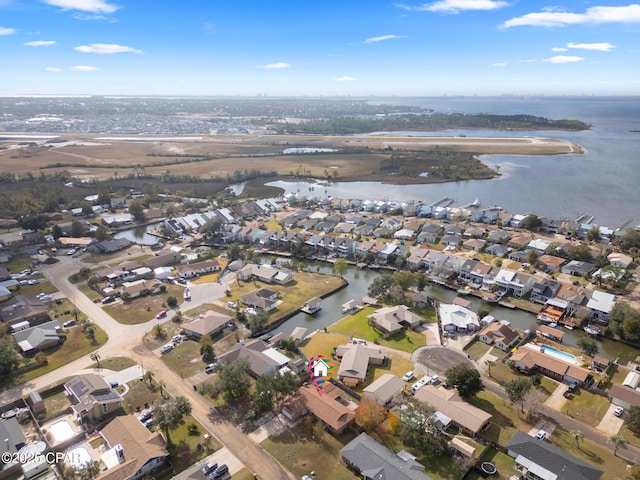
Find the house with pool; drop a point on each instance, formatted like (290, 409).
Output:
(553, 363)
(91, 397)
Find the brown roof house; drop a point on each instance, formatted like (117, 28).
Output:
(391, 320)
(209, 323)
(140, 288)
(262, 298)
(355, 360)
(24, 308)
(133, 451)
(533, 358)
(499, 334)
(336, 413)
(465, 416)
(384, 389)
(91, 397)
(195, 269)
(262, 358)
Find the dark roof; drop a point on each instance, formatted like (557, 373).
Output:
(551, 458)
(10, 430)
(376, 461)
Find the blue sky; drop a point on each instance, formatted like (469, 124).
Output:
(292, 48)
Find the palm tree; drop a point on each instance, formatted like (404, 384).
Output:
(618, 441)
(158, 331)
(95, 357)
(161, 386)
(578, 436)
(148, 377)
(489, 364)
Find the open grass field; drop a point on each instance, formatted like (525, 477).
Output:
(301, 455)
(116, 364)
(143, 309)
(586, 407)
(506, 417)
(477, 349)
(356, 325)
(185, 359)
(503, 462)
(357, 158)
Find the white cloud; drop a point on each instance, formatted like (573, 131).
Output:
(559, 49)
(563, 59)
(528, 60)
(89, 17)
(7, 31)
(600, 47)
(345, 79)
(106, 48)
(455, 6)
(40, 43)
(500, 64)
(275, 66)
(381, 38)
(52, 69)
(95, 6)
(84, 68)
(560, 18)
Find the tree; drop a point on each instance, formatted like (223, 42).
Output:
(380, 285)
(136, 208)
(593, 235)
(489, 364)
(56, 231)
(9, 358)
(416, 430)
(233, 381)
(617, 441)
(172, 301)
(588, 345)
(629, 239)
(517, 389)
(101, 233)
(632, 420)
(95, 357)
(578, 436)
(370, 415)
(532, 223)
(158, 331)
(257, 321)
(148, 377)
(466, 379)
(206, 349)
(77, 229)
(404, 279)
(33, 222)
(270, 389)
(340, 267)
(169, 413)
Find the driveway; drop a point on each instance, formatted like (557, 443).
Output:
(125, 376)
(223, 455)
(556, 400)
(437, 360)
(610, 424)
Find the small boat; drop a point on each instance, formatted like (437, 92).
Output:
(592, 330)
(553, 325)
(462, 291)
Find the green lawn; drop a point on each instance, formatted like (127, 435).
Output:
(75, 346)
(301, 455)
(243, 474)
(441, 467)
(502, 373)
(356, 325)
(586, 407)
(503, 462)
(396, 365)
(322, 344)
(181, 436)
(55, 404)
(143, 309)
(116, 364)
(139, 396)
(90, 292)
(185, 359)
(506, 417)
(477, 349)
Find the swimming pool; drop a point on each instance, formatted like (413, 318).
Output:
(563, 355)
(61, 431)
(79, 457)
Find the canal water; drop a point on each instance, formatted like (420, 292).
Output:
(139, 235)
(359, 281)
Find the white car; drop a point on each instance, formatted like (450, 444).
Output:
(618, 411)
(166, 347)
(71, 252)
(541, 435)
(408, 376)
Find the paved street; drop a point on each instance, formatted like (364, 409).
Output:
(125, 340)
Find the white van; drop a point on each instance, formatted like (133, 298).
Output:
(166, 348)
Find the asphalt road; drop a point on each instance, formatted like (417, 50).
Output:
(126, 340)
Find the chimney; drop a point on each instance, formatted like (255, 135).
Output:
(119, 453)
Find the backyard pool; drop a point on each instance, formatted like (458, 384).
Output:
(78, 457)
(61, 431)
(567, 357)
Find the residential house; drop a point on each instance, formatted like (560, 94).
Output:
(455, 318)
(132, 451)
(550, 263)
(417, 259)
(329, 408)
(537, 459)
(298, 335)
(263, 359)
(538, 245)
(444, 265)
(91, 397)
(500, 335)
(262, 298)
(474, 232)
(578, 268)
(265, 273)
(618, 259)
(475, 244)
(601, 304)
(117, 219)
(24, 308)
(532, 358)
(164, 259)
(451, 240)
(426, 237)
(520, 240)
(13, 439)
(373, 461)
(193, 270)
(475, 272)
(600, 364)
(208, 323)
(384, 389)
(623, 396)
(497, 235)
(355, 360)
(404, 234)
(141, 288)
(514, 283)
(465, 416)
(391, 320)
(111, 246)
(38, 338)
(517, 221)
(498, 250)
(386, 252)
(550, 333)
(544, 290)
(518, 256)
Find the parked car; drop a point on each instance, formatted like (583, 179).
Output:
(618, 411)
(176, 339)
(220, 471)
(435, 380)
(145, 415)
(161, 314)
(182, 280)
(108, 299)
(541, 435)
(210, 368)
(407, 377)
(148, 423)
(71, 252)
(69, 323)
(208, 468)
(166, 348)
(231, 305)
